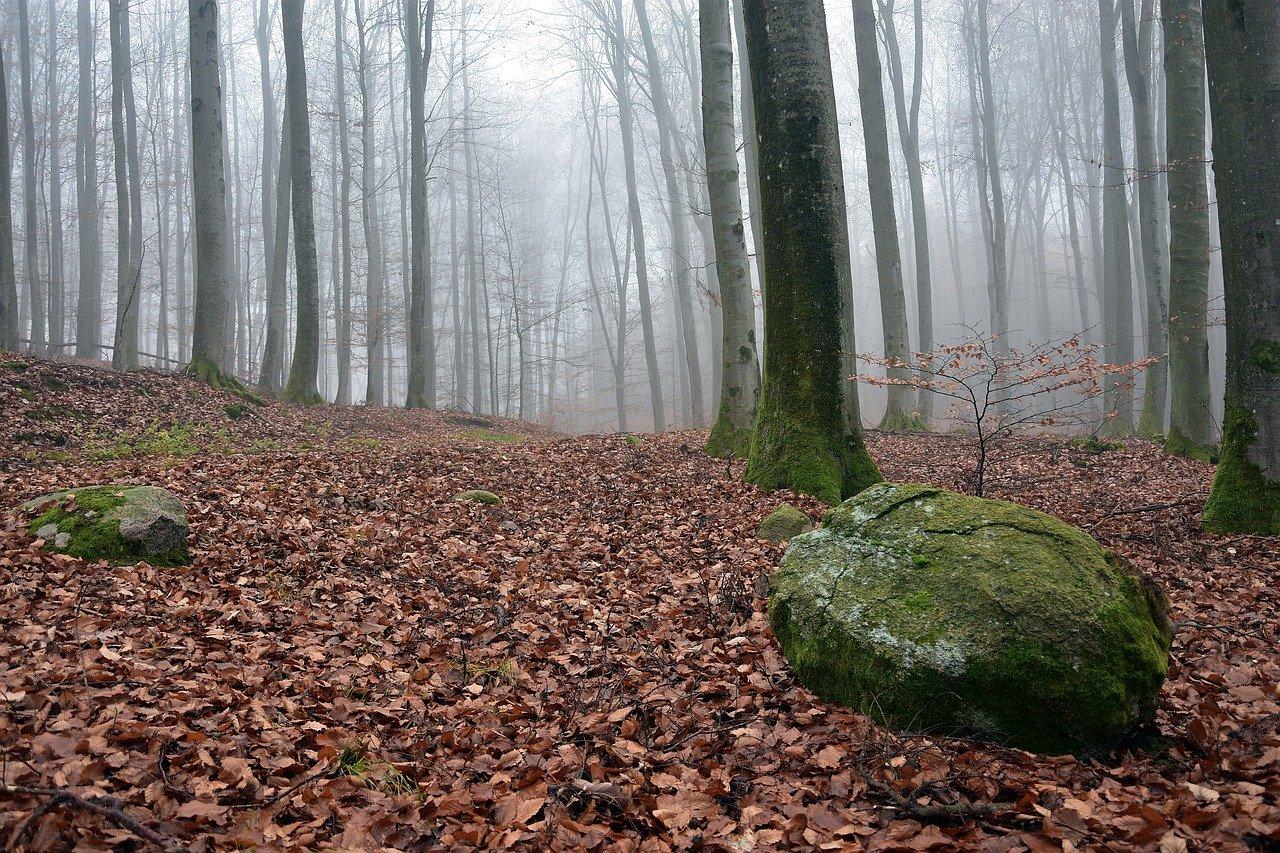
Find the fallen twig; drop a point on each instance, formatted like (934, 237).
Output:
(107, 808)
(939, 812)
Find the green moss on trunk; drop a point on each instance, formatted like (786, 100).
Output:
(1243, 499)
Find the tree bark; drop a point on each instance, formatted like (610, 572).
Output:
(8, 281)
(271, 378)
(806, 438)
(212, 348)
(1191, 414)
(342, 207)
(740, 370)
(1244, 75)
(57, 269)
(301, 387)
(89, 227)
(128, 280)
(419, 32)
(36, 294)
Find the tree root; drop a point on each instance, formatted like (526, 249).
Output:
(107, 808)
(939, 812)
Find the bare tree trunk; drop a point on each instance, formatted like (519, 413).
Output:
(57, 271)
(1117, 287)
(271, 150)
(1191, 422)
(213, 346)
(1240, 41)
(182, 179)
(900, 416)
(8, 281)
(806, 433)
(740, 368)
(301, 387)
(342, 208)
(89, 228)
(626, 120)
(128, 283)
(419, 32)
(36, 295)
(271, 378)
(1138, 38)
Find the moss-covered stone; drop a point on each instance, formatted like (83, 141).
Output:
(119, 524)
(784, 524)
(930, 610)
(477, 496)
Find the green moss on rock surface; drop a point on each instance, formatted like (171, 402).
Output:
(784, 524)
(1243, 499)
(934, 611)
(477, 496)
(117, 523)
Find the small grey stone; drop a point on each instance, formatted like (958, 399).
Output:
(47, 532)
(62, 540)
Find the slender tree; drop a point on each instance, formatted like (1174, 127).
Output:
(301, 387)
(89, 230)
(8, 281)
(37, 298)
(271, 378)
(900, 416)
(422, 356)
(1191, 413)
(213, 346)
(128, 193)
(57, 271)
(1244, 74)
(740, 370)
(807, 436)
(1117, 285)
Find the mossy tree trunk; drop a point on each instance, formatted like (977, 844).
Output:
(740, 368)
(1244, 74)
(900, 415)
(1191, 415)
(212, 345)
(806, 437)
(1117, 284)
(301, 387)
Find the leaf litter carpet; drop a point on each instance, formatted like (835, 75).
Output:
(355, 661)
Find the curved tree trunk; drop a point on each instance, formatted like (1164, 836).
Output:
(806, 438)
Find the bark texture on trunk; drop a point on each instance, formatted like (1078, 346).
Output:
(806, 436)
(419, 32)
(1244, 74)
(89, 230)
(37, 297)
(8, 281)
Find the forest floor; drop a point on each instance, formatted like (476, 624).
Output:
(353, 660)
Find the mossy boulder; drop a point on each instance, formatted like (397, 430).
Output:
(934, 611)
(477, 496)
(119, 524)
(784, 524)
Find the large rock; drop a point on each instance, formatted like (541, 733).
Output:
(933, 611)
(120, 524)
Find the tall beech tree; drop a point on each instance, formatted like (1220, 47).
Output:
(740, 370)
(301, 387)
(37, 297)
(900, 415)
(8, 280)
(1191, 412)
(213, 344)
(418, 28)
(89, 225)
(1244, 73)
(807, 434)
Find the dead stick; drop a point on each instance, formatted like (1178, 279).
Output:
(940, 812)
(107, 808)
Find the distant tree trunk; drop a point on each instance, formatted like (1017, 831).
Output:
(626, 120)
(37, 297)
(342, 208)
(301, 387)
(1244, 74)
(1139, 36)
(8, 281)
(900, 415)
(1190, 428)
(57, 272)
(271, 150)
(908, 115)
(475, 237)
(807, 438)
(182, 180)
(213, 346)
(740, 370)
(271, 379)
(375, 326)
(89, 228)
(750, 145)
(677, 210)
(1117, 287)
(419, 33)
(128, 281)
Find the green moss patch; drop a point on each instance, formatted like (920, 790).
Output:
(477, 496)
(119, 524)
(784, 524)
(933, 611)
(493, 436)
